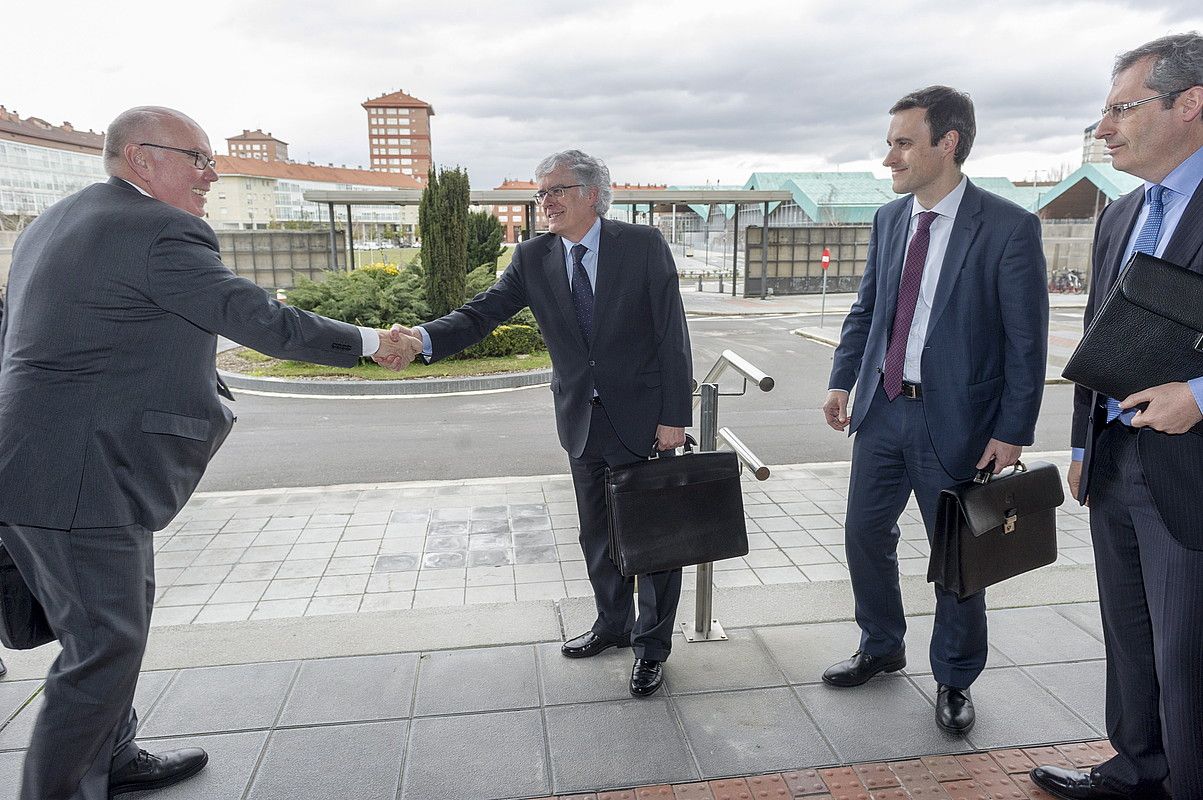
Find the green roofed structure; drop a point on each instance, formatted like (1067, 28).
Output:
(1085, 191)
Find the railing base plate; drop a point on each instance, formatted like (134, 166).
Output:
(692, 634)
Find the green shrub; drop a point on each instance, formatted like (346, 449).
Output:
(506, 340)
(375, 296)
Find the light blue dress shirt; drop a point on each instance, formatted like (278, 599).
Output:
(1180, 186)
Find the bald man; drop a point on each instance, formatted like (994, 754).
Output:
(109, 414)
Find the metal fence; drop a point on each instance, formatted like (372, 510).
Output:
(279, 259)
(793, 261)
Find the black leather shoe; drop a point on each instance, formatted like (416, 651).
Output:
(954, 709)
(3, 669)
(1076, 785)
(646, 677)
(150, 771)
(862, 666)
(589, 644)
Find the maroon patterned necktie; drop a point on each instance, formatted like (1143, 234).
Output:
(908, 296)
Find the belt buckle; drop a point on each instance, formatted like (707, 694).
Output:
(910, 390)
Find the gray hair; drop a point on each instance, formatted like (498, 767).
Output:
(1177, 63)
(131, 127)
(590, 171)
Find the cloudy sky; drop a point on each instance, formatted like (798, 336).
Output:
(667, 92)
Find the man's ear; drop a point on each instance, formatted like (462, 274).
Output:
(135, 157)
(1192, 103)
(949, 142)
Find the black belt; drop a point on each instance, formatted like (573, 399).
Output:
(912, 391)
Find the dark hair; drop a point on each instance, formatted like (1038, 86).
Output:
(947, 110)
(1177, 63)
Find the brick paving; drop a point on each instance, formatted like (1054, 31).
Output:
(985, 775)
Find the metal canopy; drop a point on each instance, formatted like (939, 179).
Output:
(501, 197)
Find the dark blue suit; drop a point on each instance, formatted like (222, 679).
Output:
(982, 377)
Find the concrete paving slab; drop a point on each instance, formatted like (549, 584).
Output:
(1085, 615)
(918, 647)
(333, 761)
(232, 760)
(613, 745)
(10, 773)
(482, 679)
(1080, 685)
(886, 718)
(803, 652)
(212, 699)
(763, 730)
(1040, 636)
(360, 688)
(476, 756)
(740, 662)
(584, 680)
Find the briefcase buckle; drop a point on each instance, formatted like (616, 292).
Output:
(1009, 522)
(1199, 343)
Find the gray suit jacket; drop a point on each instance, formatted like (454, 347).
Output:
(108, 398)
(983, 360)
(639, 359)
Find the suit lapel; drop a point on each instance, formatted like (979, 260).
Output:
(895, 250)
(609, 273)
(1124, 214)
(1187, 241)
(557, 278)
(964, 228)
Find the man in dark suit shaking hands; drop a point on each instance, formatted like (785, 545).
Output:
(1139, 459)
(109, 414)
(946, 347)
(607, 300)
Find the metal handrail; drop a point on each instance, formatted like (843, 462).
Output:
(705, 628)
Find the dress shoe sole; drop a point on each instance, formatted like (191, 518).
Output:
(956, 731)
(161, 783)
(894, 667)
(646, 692)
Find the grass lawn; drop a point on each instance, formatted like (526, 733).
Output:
(250, 362)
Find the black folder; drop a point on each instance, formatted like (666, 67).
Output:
(1149, 331)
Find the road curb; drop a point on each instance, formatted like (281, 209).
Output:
(415, 386)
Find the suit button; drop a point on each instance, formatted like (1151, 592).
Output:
(593, 363)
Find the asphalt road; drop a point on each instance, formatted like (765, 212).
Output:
(281, 442)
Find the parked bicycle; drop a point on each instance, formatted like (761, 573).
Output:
(1066, 281)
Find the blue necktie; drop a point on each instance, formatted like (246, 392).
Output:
(582, 292)
(1146, 242)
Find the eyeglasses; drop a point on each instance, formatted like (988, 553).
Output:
(556, 191)
(1117, 111)
(199, 160)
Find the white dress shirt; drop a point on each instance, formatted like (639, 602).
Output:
(941, 232)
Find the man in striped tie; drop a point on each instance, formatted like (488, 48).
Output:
(1139, 459)
(946, 345)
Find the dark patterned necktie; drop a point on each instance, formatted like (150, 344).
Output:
(908, 296)
(582, 292)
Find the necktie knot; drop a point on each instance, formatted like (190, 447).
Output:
(1155, 196)
(578, 254)
(926, 218)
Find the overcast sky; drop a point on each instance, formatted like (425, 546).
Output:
(666, 92)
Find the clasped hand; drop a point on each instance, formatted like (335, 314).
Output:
(398, 347)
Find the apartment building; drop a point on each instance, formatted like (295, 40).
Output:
(41, 163)
(399, 134)
(257, 144)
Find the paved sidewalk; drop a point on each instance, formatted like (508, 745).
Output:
(402, 641)
(238, 556)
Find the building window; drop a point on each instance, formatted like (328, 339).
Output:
(392, 112)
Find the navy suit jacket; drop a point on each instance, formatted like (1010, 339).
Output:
(638, 360)
(108, 387)
(983, 361)
(1173, 465)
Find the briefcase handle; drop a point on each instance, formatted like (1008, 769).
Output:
(984, 475)
(689, 445)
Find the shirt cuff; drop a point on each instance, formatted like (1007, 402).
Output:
(427, 347)
(1077, 453)
(833, 389)
(371, 340)
(1196, 388)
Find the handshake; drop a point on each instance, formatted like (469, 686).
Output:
(398, 347)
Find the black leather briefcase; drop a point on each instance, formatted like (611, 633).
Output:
(1149, 331)
(23, 624)
(672, 512)
(995, 527)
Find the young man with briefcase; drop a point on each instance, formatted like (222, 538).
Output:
(946, 345)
